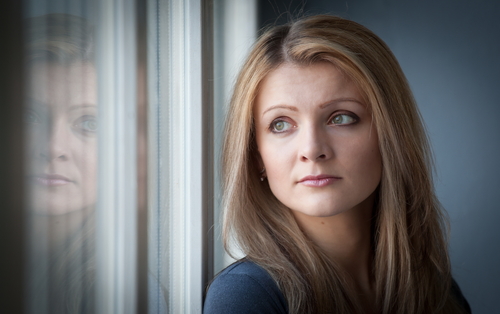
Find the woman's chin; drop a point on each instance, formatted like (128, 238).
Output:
(58, 200)
(52, 206)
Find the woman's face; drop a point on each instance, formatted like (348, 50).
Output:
(61, 119)
(316, 139)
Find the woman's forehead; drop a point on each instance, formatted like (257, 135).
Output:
(55, 85)
(318, 82)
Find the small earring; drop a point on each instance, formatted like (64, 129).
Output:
(262, 177)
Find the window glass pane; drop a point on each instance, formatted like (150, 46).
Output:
(61, 122)
(235, 30)
(178, 201)
(81, 157)
(85, 157)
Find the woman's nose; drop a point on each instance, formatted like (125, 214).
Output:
(55, 144)
(315, 145)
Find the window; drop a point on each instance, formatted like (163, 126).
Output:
(117, 151)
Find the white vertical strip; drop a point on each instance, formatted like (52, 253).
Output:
(235, 32)
(116, 211)
(163, 179)
(177, 107)
(194, 154)
(156, 208)
(240, 32)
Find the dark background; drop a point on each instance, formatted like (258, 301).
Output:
(449, 51)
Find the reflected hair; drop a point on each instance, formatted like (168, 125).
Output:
(60, 38)
(409, 232)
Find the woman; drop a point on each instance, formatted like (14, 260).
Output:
(327, 182)
(61, 177)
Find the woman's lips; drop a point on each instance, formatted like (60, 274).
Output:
(318, 181)
(50, 180)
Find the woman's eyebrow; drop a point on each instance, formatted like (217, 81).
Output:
(32, 102)
(339, 100)
(321, 106)
(81, 106)
(292, 108)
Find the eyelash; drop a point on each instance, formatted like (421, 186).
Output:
(30, 114)
(272, 125)
(78, 124)
(342, 113)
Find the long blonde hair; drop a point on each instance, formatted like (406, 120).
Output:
(411, 264)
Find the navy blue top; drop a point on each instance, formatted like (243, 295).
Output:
(244, 288)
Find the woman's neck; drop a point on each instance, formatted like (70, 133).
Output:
(50, 233)
(346, 239)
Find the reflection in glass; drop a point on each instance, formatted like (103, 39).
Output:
(61, 126)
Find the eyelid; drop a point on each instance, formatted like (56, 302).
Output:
(77, 123)
(29, 111)
(276, 120)
(347, 113)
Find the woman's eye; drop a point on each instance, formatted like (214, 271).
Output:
(31, 117)
(87, 124)
(90, 125)
(280, 126)
(343, 119)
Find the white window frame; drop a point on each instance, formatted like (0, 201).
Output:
(180, 161)
(116, 231)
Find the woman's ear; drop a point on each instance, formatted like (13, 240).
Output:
(261, 167)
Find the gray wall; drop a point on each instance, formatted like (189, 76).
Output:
(449, 51)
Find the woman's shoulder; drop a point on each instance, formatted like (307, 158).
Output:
(457, 293)
(244, 287)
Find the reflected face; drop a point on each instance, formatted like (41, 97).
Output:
(61, 119)
(316, 139)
